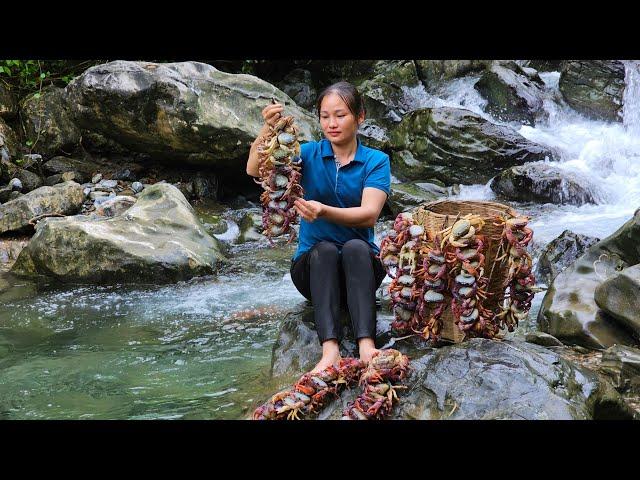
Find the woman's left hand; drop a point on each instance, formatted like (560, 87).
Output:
(309, 209)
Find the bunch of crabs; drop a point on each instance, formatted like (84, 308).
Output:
(427, 268)
(279, 169)
(314, 390)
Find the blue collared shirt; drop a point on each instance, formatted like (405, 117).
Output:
(341, 187)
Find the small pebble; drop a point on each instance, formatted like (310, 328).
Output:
(96, 178)
(15, 184)
(137, 187)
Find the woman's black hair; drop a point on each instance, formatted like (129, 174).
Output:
(349, 95)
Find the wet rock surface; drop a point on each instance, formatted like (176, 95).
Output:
(512, 93)
(569, 311)
(8, 102)
(622, 365)
(619, 297)
(594, 87)
(407, 196)
(455, 145)
(543, 183)
(560, 253)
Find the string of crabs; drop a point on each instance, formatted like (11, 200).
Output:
(427, 267)
(313, 391)
(279, 169)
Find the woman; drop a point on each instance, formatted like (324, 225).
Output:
(346, 185)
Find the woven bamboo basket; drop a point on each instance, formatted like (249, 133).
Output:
(438, 215)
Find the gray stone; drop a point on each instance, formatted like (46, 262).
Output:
(206, 186)
(137, 187)
(47, 122)
(455, 145)
(107, 184)
(512, 93)
(299, 86)
(65, 199)
(59, 165)
(543, 183)
(53, 179)
(622, 365)
(125, 175)
(159, 239)
(619, 297)
(407, 196)
(97, 194)
(183, 112)
(15, 184)
(9, 149)
(115, 206)
(569, 311)
(544, 339)
(560, 253)
(30, 181)
(433, 73)
(96, 178)
(594, 87)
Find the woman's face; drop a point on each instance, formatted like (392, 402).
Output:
(338, 123)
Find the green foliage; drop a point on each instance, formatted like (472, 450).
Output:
(28, 76)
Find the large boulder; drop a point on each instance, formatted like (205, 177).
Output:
(512, 93)
(619, 297)
(30, 181)
(569, 311)
(157, 240)
(560, 253)
(47, 122)
(433, 72)
(622, 364)
(298, 84)
(594, 87)
(182, 112)
(456, 145)
(543, 183)
(62, 199)
(461, 381)
(8, 102)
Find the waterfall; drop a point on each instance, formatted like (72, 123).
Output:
(631, 97)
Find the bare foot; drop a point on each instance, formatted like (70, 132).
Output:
(367, 349)
(326, 362)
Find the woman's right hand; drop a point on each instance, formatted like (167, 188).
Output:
(272, 113)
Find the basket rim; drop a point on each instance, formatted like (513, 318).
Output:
(485, 203)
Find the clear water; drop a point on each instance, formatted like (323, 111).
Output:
(202, 349)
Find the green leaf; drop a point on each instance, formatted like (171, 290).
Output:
(43, 75)
(29, 143)
(36, 95)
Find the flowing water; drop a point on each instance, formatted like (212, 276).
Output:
(202, 349)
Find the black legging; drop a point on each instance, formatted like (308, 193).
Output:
(330, 279)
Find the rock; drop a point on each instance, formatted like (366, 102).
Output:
(434, 72)
(407, 196)
(96, 178)
(125, 175)
(108, 184)
(59, 165)
(622, 365)
(619, 297)
(250, 228)
(47, 122)
(159, 239)
(30, 181)
(95, 195)
(206, 186)
(386, 93)
(9, 148)
(298, 84)
(98, 144)
(373, 135)
(460, 381)
(8, 102)
(137, 187)
(512, 93)
(15, 184)
(547, 65)
(183, 112)
(64, 198)
(10, 248)
(543, 183)
(455, 145)
(115, 206)
(560, 253)
(569, 311)
(543, 339)
(594, 87)
(69, 176)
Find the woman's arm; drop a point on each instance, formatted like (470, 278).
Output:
(364, 216)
